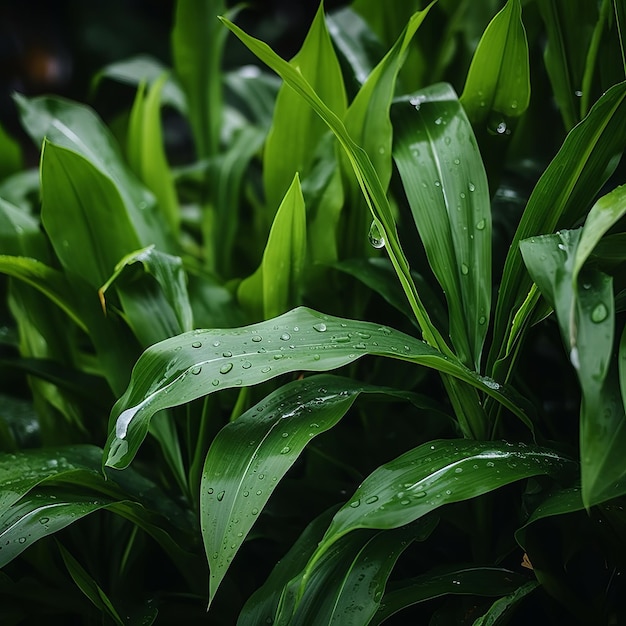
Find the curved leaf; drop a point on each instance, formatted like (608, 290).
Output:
(195, 364)
(437, 473)
(250, 456)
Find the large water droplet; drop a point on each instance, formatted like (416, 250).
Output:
(464, 269)
(266, 369)
(481, 225)
(227, 354)
(355, 504)
(196, 344)
(420, 494)
(285, 450)
(246, 365)
(226, 368)
(599, 313)
(220, 496)
(285, 336)
(471, 187)
(371, 500)
(375, 236)
(257, 338)
(320, 328)
(196, 370)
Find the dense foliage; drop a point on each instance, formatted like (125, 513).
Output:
(170, 435)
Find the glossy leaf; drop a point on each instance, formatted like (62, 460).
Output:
(500, 609)
(250, 456)
(84, 215)
(197, 48)
(480, 581)
(440, 166)
(10, 154)
(160, 310)
(347, 584)
(497, 87)
(89, 586)
(293, 117)
(255, 91)
(76, 128)
(365, 173)
(146, 151)
(561, 197)
(274, 287)
(367, 119)
(437, 473)
(195, 364)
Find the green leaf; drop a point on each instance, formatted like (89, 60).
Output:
(146, 151)
(497, 87)
(437, 473)
(499, 611)
(562, 196)
(197, 49)
(20, 233)
(195, 364)
(155, 298)
(250, 456)
(367, 119)
(569, 25)
(347, 584)
(440, 165)
(74, 127)
(275, 286)
(89, 586)
(366, 175)
(140, 69)
(84, 215)
(481, 581)
(40, 515)
(10, 155)
(293, 117)
(47, 280)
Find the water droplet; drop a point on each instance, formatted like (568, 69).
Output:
(375, 237)
(316, 357)
(285, 450)
(246, 365)
(257, 338)
(464, 269)
(196, 370)
(439, 121)
(215, 382)
(578, 93)
(490, 463)
(457, 161)
(448, 492)
(481, 225)
(359, 346)
(471, 187)
(44, 520)
(196, 344)
(227, 354)
(514, 104)
(456, 582)
(437, 183)
(245, 494)
(371, 500)
(320, 328)
(259, 492)
(285, 336)
(355, 504)
(458, 470)
(599, 313)
(216, 343)
(278, 357)
(220, 496)
(226, 368)
(255, 511)
(420, 494)
(266, 369)
(574, 358)
(482, 319)
(501, 128)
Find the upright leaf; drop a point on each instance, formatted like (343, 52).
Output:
(197, 48)
(497, 87)
(440, 165)
(296, 128)
(275, 286)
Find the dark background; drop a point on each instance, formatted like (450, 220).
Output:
(56, 46)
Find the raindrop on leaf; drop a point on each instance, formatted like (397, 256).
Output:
(375, 237)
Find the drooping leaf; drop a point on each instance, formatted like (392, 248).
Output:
(437, 473)
(195, 364)
(157, 311)
(481, 581)
(441, 168)
(250, 456)
(500, 610)
(274, 287)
